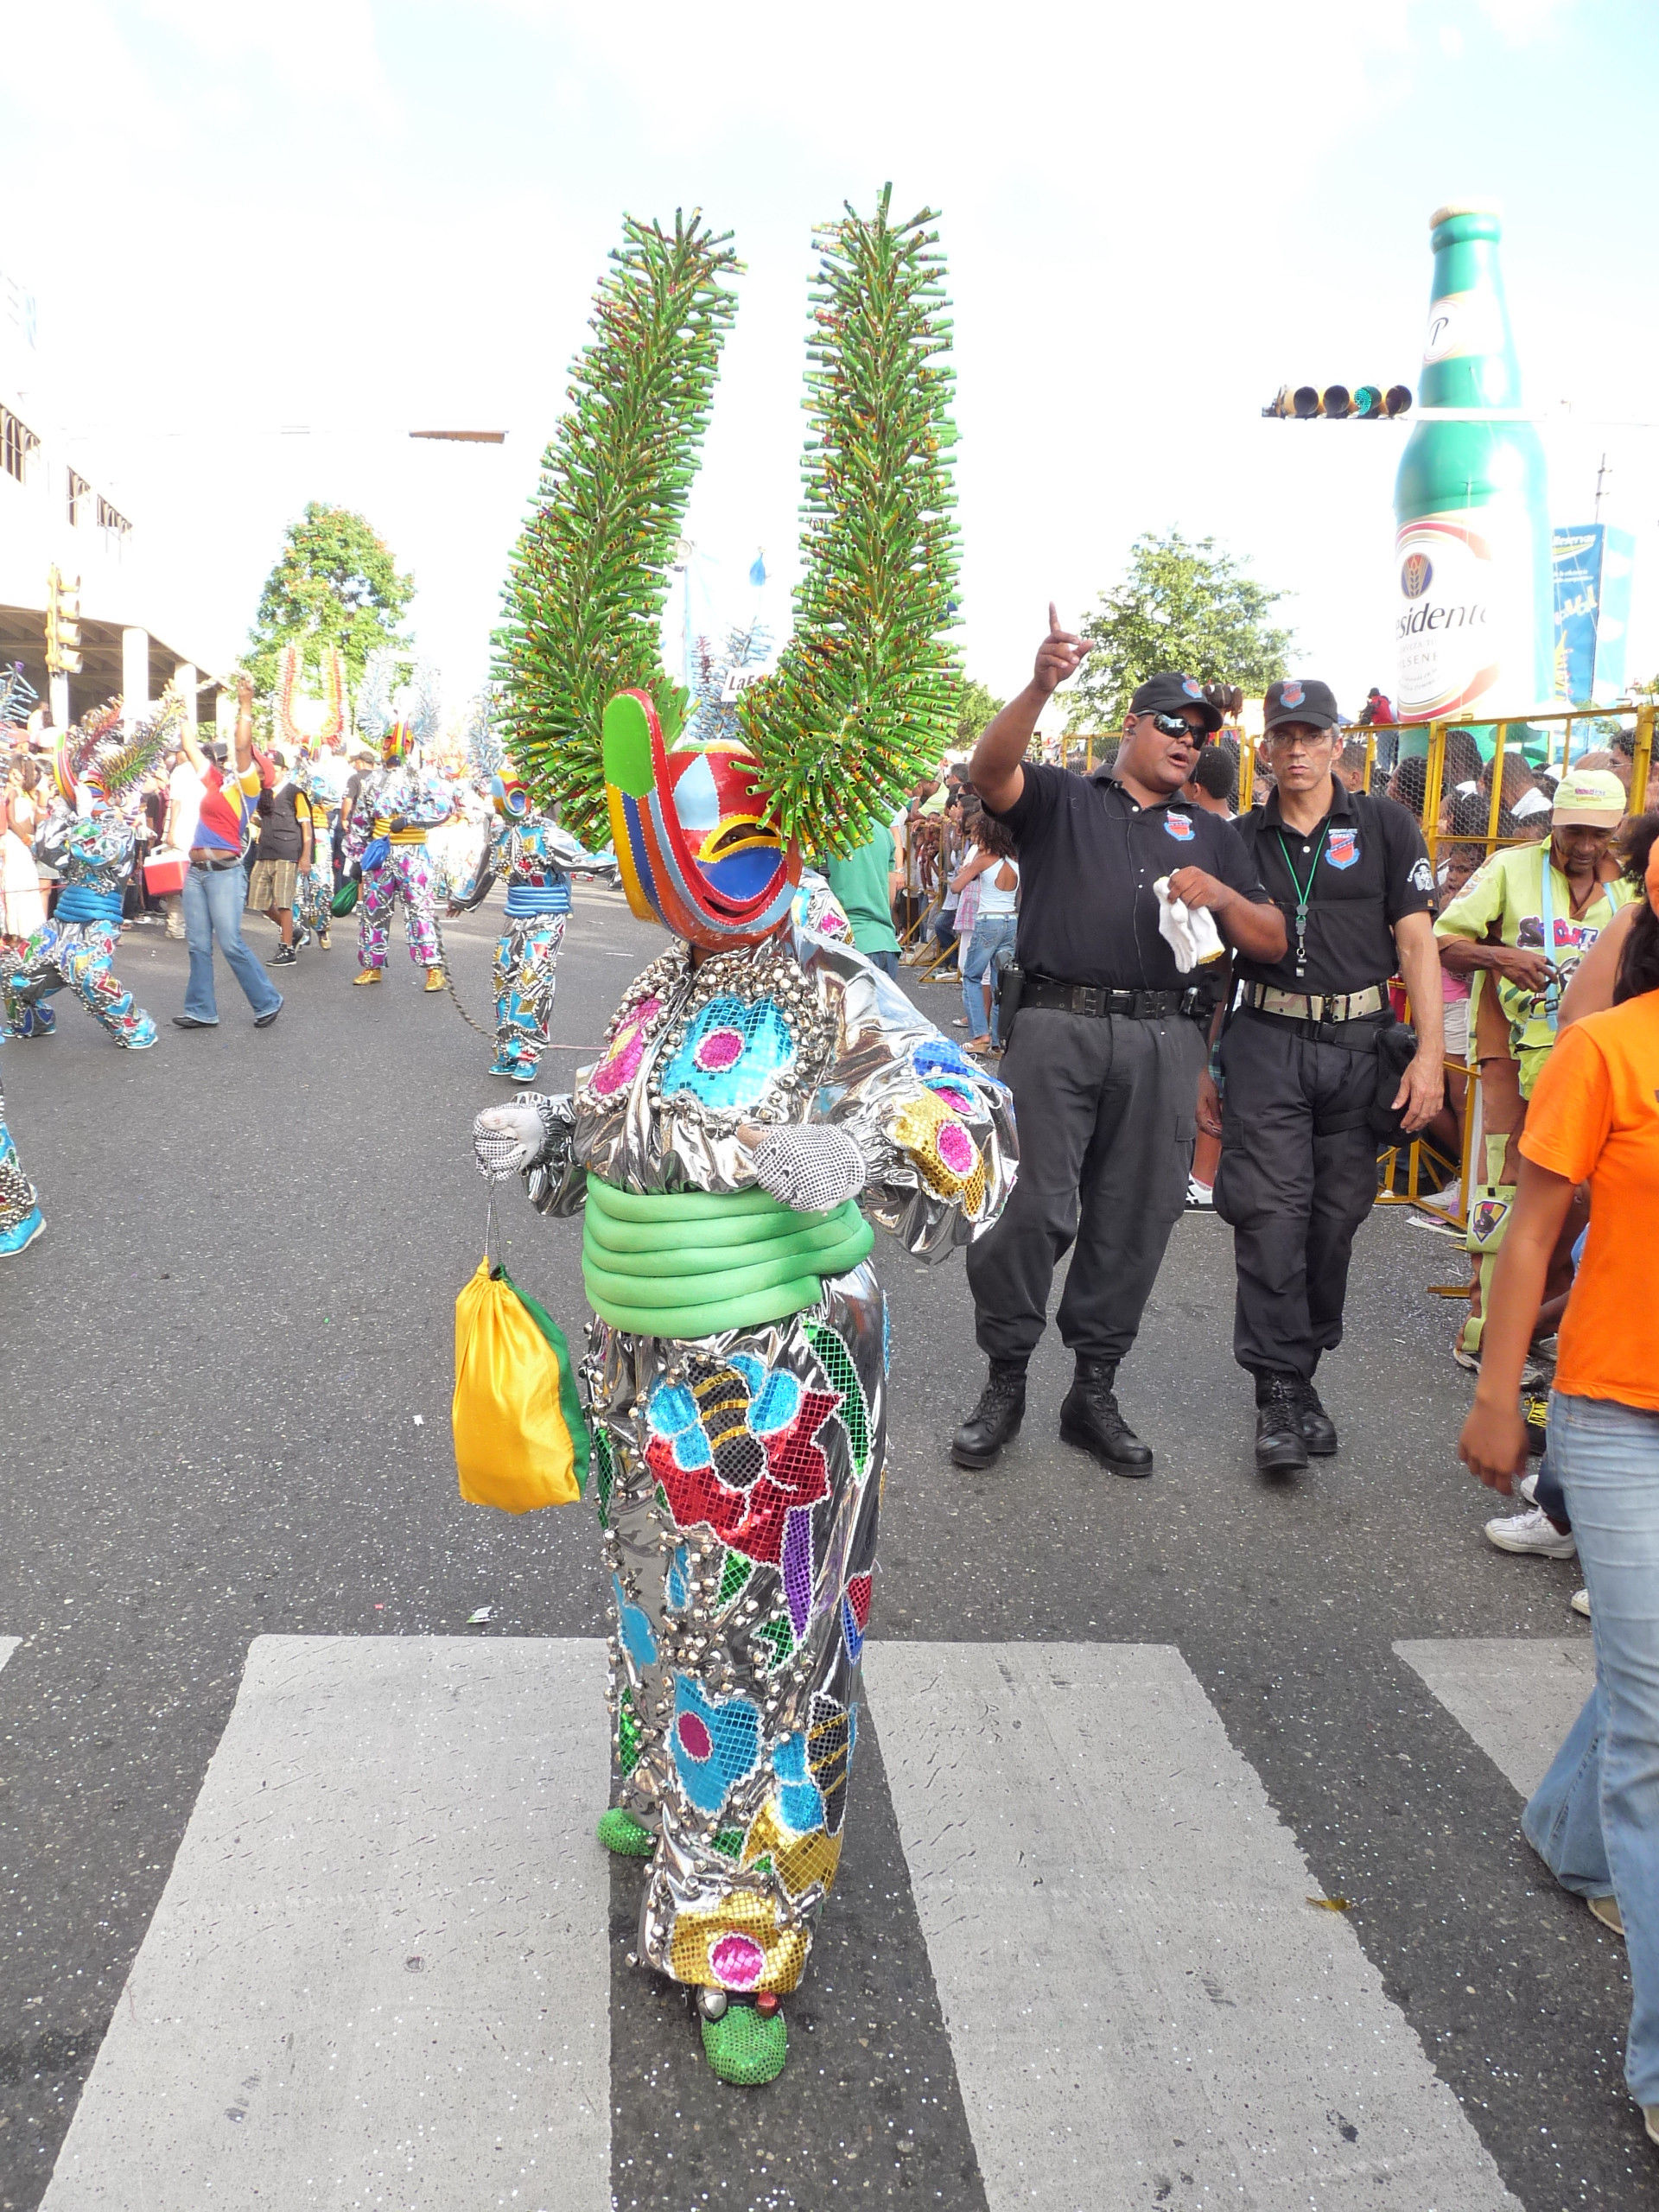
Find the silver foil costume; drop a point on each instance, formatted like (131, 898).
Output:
(738, 1475)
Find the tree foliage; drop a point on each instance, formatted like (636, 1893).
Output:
(1184, 605)
(336, 583)
(976, 708)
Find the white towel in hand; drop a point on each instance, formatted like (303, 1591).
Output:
(1190, 931)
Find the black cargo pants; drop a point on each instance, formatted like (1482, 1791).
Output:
(1298, 1176)
(1104, 1107)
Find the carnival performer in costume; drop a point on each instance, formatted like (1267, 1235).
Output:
(96, 769)
(313, 889)
(385, 842)
(21, 1219)
(761, 1092)
(534, 856)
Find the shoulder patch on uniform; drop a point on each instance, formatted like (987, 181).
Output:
(1178, 826)
(1341, 847)
(1421, 877)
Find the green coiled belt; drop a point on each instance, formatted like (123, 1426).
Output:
(690, 1263)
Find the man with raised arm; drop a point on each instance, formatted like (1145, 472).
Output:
(1105, 1055)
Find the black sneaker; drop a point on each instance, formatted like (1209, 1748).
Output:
(284, 957)
(995, 1420)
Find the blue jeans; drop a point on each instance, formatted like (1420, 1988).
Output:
(990, 946)
(1594, 1818)
(213, 899)
(886, 961)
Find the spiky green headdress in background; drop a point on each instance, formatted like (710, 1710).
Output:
(863, 701)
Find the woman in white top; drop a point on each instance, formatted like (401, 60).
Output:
(23, 910)
(989, 860)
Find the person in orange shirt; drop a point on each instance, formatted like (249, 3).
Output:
(1594, 1117)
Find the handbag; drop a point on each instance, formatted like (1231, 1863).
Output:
(345, 899)
(520, 1439)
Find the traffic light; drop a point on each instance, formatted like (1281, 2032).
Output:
(62, 623)
(1370, 403)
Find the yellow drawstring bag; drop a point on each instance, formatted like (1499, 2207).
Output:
(520, 1438)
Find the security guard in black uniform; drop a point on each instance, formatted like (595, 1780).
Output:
(1108, 1045)
(1299, 1064)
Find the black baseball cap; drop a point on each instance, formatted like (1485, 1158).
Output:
(1300, 699)
(1168, 695)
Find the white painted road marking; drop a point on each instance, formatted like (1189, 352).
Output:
(8, 1645)
(1517, 1698)
(1141, 2002)
(379, 1975)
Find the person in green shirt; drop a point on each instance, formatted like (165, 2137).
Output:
(1526, 919)
(864, 884)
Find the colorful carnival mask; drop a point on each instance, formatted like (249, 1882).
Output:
(694, 852)
(510, 796)
(395, 744)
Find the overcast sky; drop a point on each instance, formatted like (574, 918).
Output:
(368, 218)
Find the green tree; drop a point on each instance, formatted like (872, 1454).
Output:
(975, 710)
(335, 584)
(1183, 604)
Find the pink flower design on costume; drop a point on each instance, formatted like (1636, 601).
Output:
(621, 1064)
(718, 1050)
(957, 1148)
(738, 1961)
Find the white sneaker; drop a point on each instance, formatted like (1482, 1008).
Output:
(1200, 1197)
(1445, 1201)
(1528, 1486)
(1533, 1532)
(1581, 1603)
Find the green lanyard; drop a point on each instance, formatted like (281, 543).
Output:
(1304, 894)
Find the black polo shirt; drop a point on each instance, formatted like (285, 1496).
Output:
(1089, 856)
(1371, 867)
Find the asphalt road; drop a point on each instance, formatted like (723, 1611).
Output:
(225, 1381)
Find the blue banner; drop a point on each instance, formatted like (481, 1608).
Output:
(1593, 567)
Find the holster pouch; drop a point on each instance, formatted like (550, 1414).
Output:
(1010, 989)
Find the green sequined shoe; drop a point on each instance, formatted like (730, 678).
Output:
(620, 1833)
(743, 2045)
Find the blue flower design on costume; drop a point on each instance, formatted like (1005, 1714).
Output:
(638, 1639)
(672, 1411)
(946, 1068)
(731, 1052)
(799, 1798)
(679, 1590)
(715, 1745)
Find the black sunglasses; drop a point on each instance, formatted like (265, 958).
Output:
(1178, 725)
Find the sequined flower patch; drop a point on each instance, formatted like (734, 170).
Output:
(715, 1745)
(634, 1626)
(736, 1457)
(944, 1152)
(737, 1944)
(621, 1064)
(730, 1053)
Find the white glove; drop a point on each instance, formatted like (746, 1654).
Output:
(1190, 931)
(809, 1169)
(506, 1139)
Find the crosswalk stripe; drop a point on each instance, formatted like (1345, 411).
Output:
(379, 1971)
(1140, 2002)
(1517, 1696)
(8, 1645)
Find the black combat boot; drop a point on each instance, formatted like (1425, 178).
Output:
(1280, 1448)
(995, 1420)
(1319, 1430)
(1089, 1419)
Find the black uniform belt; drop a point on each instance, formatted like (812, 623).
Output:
(1099, 999)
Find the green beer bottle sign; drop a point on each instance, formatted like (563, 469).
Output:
(1474, 627)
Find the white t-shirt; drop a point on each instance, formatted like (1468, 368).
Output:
(184, 796)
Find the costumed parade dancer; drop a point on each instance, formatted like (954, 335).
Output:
(21, 1218)
(90, 841)
(534, 854)
(760, 1091)
(313, 888)
(386, 843)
